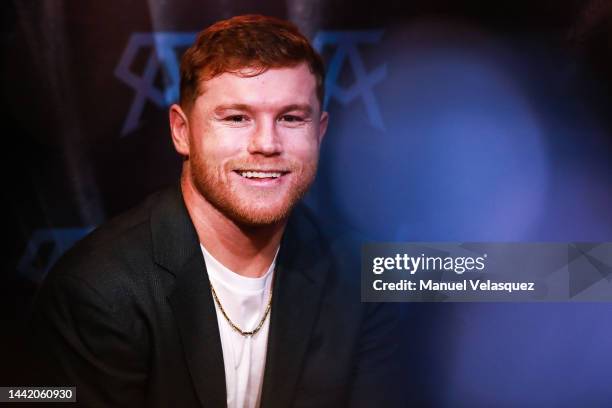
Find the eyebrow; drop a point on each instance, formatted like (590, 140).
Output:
(233, 106)
(297, 107)
(307, 109)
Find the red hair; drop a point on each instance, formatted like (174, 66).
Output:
(250, 41)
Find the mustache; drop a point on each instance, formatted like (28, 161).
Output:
(284, 166)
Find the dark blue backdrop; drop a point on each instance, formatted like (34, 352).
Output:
(450, 121)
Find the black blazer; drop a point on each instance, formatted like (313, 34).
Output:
(127, 316)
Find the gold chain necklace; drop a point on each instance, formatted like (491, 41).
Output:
(232, 324)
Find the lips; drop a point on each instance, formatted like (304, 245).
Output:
(261, 174)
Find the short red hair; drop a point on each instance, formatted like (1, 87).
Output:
(249, 41)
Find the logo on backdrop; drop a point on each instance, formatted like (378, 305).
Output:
(45, 247)
(163, 59)
(346, 43)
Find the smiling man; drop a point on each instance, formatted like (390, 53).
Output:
(222, 291)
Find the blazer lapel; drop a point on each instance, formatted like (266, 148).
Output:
(301, 273)
(176, 248)
(195, 314)
(300, 279)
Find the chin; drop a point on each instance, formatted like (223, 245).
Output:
(259, 215)
(247, 206)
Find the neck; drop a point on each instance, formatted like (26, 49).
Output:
(246, 250)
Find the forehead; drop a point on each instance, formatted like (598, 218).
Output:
(274, 87)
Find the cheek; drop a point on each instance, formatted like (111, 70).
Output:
(217, 148)
(306, 150)
(302, 144)
(214, 143)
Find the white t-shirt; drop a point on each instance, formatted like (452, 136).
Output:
(244, 301)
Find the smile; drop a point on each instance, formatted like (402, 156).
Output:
(260, 174)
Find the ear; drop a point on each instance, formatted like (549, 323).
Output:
(323, 125)
(179, 128)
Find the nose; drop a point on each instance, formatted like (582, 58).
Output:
(265, 140)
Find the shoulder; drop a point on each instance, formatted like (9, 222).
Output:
(105, 259)
(323, 244)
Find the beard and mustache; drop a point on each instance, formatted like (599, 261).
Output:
(250, 205)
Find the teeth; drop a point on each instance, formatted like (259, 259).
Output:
(259, 174)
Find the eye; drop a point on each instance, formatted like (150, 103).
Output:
(291, 118)
(236, 118)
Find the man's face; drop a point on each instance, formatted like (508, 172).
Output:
(254, 142)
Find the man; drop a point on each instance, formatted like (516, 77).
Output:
(216, 293)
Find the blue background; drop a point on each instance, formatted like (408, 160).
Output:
(450, 121)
